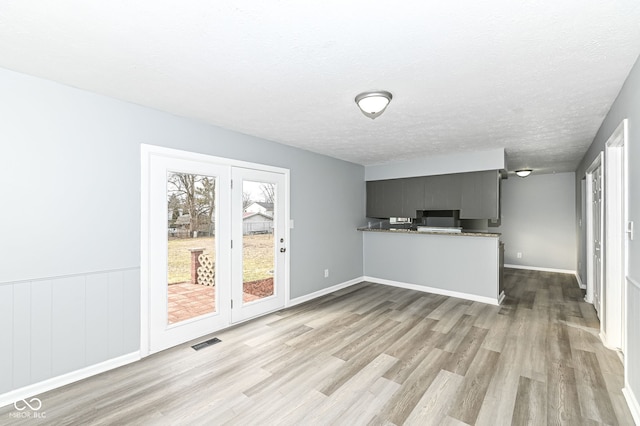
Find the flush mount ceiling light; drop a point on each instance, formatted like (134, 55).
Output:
(523, 173)
(373, 104)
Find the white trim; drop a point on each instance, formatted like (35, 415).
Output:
(78, 274)
(288, 224)
(632, 402)
(605, 341)
(615, 238)
(434, 290)
(145, 163)
(65, 379)
(580, 283)
(425, 289)
(538, 268)
(323, 292)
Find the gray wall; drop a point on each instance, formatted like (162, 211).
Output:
(70, 218)
(627, 105)
(439, 165)
(452, 263)
(538, 220)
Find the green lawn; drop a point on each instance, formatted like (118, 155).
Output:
(257, 257)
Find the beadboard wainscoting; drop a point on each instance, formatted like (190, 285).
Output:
(631, 389)
(57, 326)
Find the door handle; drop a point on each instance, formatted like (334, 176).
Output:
(282, 250)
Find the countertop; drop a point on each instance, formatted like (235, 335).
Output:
(453, 234)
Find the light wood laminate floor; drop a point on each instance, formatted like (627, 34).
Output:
(375, 355)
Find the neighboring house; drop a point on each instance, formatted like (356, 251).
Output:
(260, 207)
(257, 223)
(181, 226)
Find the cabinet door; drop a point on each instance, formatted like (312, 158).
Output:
(412, 196)
(436, 193)
(480, 195)
(453, 198)
(384, 198)
(443, 192)
(471, 197)
(491, 194)
(372, 190)
(389, 198)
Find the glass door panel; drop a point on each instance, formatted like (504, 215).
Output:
(258, 246)
(191, 254)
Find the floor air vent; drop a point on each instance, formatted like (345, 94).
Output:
(206, 343)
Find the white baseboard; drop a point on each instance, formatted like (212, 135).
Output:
(537, 268)
(324, 291)
(559, 271)
(56, 382)
(632, 402)
(434, 290)
(580, 283)
(606, 344)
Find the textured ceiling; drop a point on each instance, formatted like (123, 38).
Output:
(534, 77)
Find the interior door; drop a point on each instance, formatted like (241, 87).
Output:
(259, 245)
(189, 253)
(597, 214)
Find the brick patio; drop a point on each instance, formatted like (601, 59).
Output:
(188, 300)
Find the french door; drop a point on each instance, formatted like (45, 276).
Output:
(259, 243)
(216, 245)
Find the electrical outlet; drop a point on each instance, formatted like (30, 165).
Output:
(519, 255)
(326, 273)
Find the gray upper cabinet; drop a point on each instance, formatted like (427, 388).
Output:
(391, 203)
(480, 195)
(442, 192)
(384, 198)
(412, 196)
(476, 195)
(372, 187)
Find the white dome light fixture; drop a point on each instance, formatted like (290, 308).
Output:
(523, 173)
(373, 104)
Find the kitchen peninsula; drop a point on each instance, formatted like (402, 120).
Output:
(465, 264)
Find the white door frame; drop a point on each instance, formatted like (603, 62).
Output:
(597, 162)
(146, 152)
(616, 196)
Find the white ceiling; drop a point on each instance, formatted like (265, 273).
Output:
(533, 77)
